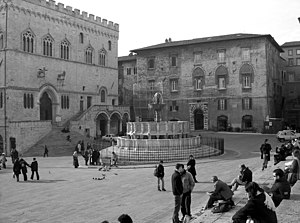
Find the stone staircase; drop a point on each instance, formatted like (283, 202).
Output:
(57, 143)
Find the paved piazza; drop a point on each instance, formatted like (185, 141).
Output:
(69, 195)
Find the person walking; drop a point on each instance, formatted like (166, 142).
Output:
(24, 165)
(114, 159)
(160, 173)
(177, 189)
(188, 186)
(34, 169)
(17, 168)
(191, 167)
(265, 150)
(46, 151)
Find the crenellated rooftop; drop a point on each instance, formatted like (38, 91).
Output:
(60, 7)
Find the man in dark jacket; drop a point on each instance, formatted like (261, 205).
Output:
(34, 169)
(17, 168)
(23, 164)
(221, 192)
(265, 150)
(281, 189)
(259, 207)
(243, 178)
(160, 173)
(177, 189)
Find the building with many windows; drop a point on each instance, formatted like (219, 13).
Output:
(57, 65)
(292, 93)
(216, 83)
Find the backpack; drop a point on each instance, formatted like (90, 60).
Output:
(155, 171)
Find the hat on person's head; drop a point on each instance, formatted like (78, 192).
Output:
(243, 166)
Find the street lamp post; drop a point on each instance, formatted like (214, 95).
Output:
(5, 63)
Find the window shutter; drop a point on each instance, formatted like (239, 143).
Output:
(219, 104)
(243, 104)
(225, 104)
(250, 103)
(170, 108)
(177, 108)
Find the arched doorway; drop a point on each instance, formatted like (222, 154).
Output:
(115, 121)
(45, 107)
(124, 124)
(101, 125)
(1, 144)
(198, 119)
(247, 122)
(222, 123)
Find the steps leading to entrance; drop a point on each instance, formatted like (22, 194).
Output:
(57, 143)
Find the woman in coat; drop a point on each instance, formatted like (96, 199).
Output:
(259, 207)
(17, 168)
(191, 167)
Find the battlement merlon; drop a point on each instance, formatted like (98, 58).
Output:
(60, 7)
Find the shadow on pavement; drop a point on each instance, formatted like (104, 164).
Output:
(199, 192)
(41, 181)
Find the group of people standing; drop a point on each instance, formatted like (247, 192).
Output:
(20, 166)
(91, 155)
(183, 182)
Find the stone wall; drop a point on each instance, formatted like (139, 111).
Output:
(261, 90)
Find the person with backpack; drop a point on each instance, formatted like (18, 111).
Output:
(265, 150)
(160, 173)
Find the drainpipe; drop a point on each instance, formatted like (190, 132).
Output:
(5, 93)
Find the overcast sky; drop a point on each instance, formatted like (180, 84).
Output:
(144, 23)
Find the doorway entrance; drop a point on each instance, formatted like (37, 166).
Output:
(101, 125)
(222, 123)
(45, 107)
(198, 119)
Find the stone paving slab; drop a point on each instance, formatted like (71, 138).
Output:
(65, 194)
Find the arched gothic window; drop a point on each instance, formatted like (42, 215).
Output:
(102, 58)
(198, 78)
(65, 50)
(48, 46)
(89, 55)
(28, 41)
(103, 96)
(109, 45)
